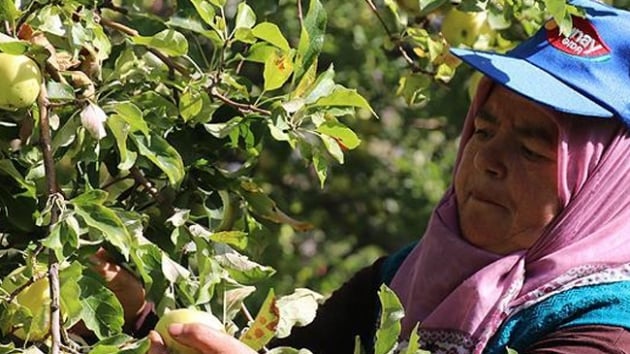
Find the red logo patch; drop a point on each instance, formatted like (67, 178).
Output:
(583, 41)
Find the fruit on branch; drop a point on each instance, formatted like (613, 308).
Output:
(35, 298)
(185, 316)
(20, 80)
(459, 27)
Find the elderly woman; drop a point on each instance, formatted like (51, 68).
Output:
(529, 247)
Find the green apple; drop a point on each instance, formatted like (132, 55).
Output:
(20, 81)
(35, 298)
(185, 316)
(459, 27)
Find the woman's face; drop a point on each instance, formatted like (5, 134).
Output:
(505, 185)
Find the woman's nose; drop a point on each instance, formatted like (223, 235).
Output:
(490, 158)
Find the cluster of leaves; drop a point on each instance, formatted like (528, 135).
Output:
(156, 120)
(171, 122)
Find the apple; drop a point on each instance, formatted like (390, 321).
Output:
(35, 298)
(459, 27)
(20, 81)
(185, 316)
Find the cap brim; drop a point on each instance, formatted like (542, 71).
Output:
(532, 82)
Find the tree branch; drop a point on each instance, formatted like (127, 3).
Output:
(52, 192)
(132, 32)
(414, 67)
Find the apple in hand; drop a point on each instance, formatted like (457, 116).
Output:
(20, 81)
(185, 316)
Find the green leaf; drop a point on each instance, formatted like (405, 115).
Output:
(121, 344)
(510, 350)
(11, 45)
(342, 96)
(414, 346)
(94, 196)
(391, 314)
(7, 168)
(333, 147)
(102, 313)
(169, 41)
(8, 11)
(427, 6)
(71, 292)
(242, 269)
(162, 154)
(311, 37)
(105, 221)
(270, 33)
(218, 3)
(259, 52)
(324, 85)
(245, 16)
(205, 11)
(321, 168)
(413, 87)
(58, 91)
(344, 135)
(278, 69)
(237, 239)
(62, 236)
(132, 115)
(120, 129)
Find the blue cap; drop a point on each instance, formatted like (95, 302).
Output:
(585, 73)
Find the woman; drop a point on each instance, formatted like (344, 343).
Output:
(529, 247)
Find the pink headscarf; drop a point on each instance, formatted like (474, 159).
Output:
(460, 294)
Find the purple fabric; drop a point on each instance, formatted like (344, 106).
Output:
(451, 286)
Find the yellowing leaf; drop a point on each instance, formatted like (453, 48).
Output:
(344, 135)
(264, 326)
(278, 69)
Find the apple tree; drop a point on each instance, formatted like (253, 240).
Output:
(141, 130)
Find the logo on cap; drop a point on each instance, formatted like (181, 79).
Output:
(583, 41)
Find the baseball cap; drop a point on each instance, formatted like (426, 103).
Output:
(585, 73)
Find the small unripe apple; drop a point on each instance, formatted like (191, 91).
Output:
(459, 27)
(36, 298)
(20, 81)
(185, 316)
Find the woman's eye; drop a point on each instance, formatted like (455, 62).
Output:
(530, 154)
(482, 133)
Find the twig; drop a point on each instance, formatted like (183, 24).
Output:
(300, 13)
(243, 107)
(7, 28)
(108, 4)
(182, 70)
(132, 32)
(148, 186)
(414, 67)
(51, 191)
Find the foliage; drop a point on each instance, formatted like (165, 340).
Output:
(222, 149)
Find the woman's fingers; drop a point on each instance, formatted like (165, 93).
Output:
(207, 340)
(157, 344)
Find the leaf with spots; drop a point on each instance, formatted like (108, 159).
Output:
(265, 324)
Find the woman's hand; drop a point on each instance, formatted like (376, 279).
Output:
(127, 288)
(200, 337)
